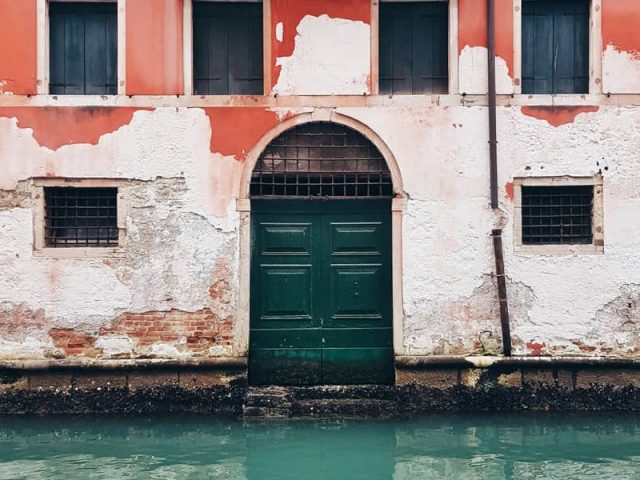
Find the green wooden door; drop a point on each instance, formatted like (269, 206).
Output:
(321, 292)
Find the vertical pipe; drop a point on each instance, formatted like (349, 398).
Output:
(493, 142)
(502, 292)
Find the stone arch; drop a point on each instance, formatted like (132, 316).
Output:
(320, 116)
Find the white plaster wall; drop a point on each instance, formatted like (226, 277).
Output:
(181, 225)
(473, 72)
(332, 56)
(561, 301)
(620, 71)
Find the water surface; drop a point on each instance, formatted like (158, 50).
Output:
(438, 447)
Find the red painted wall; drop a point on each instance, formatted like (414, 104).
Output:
(621, 24)
(54, 127)
(472, 27)
(18, 67)
(291, 12)
(228, 139)
(154, 47)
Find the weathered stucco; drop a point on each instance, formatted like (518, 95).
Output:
(324, 44)
(182, 235)
(172, 290)
(555, 300)
(621, 44)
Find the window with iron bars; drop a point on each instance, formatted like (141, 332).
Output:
(321, 160)
(80, 217)
(557, 215)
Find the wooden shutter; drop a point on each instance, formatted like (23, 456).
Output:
(555, 46)
(83, 48)
(571, 28)
(227, 48)
(414, 47)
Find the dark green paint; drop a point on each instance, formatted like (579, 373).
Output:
(321, 292)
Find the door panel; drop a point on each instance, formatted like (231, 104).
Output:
(321, 309)
(342, 366)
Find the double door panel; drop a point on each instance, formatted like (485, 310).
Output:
(321, 302)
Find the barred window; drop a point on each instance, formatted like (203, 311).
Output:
(321, 160)
(557, 214)
(81, 217)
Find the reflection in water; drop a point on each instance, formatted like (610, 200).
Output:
(445, 447)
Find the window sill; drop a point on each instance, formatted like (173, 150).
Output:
(558, 250)
(79, 252)
(318, 101)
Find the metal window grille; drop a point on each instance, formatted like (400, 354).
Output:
(321, 160)
(80, 217)
(557, 215)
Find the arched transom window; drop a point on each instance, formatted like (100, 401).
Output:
(321, 160)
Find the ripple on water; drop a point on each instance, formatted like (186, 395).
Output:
(445, 447)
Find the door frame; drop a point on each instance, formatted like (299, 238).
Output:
(243, 207)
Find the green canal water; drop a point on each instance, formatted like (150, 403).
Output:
(438, 447)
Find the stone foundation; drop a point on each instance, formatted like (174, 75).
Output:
(422, 386)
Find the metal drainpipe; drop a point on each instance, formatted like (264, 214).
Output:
(493, 178)
(493, 141)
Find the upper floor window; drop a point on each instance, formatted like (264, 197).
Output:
(555, 46)
(227, 48)
(414, 53)
(83, 48)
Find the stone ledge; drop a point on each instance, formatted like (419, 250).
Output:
(122, 364)
(431, 361)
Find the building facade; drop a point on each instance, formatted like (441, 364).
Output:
(307, 184)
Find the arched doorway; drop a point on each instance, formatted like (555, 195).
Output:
(321, 290)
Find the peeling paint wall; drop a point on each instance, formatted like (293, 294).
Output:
(321, 48)
(472, 44)
(621, 45)
(173, 290)
(556, 301)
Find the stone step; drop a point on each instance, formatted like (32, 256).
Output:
(265, 412)
(353, 392)
(345, 407)
(271, 397)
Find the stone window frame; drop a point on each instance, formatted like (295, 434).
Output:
(42, 54)
(39, 247)
(597, 216)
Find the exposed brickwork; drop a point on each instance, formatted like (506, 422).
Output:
(74, 343)
(195, 332)
(18, 321)
(201, 329)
